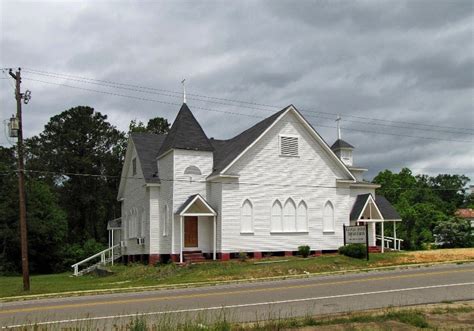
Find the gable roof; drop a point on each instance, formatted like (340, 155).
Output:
(185, 133)
(190, 201)
(386, 208)
(359, 205)
(465, 213)
(382, 204)
(229, 151)
(147, 146)
(225, 151)
(338, 144)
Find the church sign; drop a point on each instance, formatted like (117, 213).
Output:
(357, 234)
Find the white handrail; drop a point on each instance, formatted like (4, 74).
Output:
(396, 242)
(102, 258)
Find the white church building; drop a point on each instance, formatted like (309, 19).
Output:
(274, 187)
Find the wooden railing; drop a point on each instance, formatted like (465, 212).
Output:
(396, 243)
(106, 256)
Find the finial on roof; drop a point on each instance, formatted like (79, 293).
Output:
(184, 91)
(338, 119)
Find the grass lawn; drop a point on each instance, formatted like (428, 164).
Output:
(140, 275)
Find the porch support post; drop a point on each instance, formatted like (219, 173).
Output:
(112, 235)
(214, 238)
(383, 237)
(181, 238)
(395, 244)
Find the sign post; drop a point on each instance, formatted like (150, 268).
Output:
(357, 234)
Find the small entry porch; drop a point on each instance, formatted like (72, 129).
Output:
(376, 213)
(197, 229)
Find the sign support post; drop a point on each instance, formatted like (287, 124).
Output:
(367, 239)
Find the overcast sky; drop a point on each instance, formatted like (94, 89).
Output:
(395, 61)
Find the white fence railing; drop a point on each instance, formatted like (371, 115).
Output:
(106, 256)
(395, 243)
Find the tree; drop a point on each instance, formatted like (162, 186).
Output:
(157, 125)
(80, 154)
(455, 232)
(47, 224)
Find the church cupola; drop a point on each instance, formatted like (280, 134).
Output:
(341, 148)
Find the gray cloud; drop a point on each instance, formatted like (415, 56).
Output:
(409, 61)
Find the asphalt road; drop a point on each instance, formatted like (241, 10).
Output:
(252, 301)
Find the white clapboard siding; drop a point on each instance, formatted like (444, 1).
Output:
(265, 175)
(166, 174)
(135, 196)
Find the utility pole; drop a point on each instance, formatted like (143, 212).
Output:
(21, 183)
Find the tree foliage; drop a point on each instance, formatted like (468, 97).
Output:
(157, 125)
(81, 154)
(47, 224)
(423, 202)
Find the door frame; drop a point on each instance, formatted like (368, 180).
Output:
(187, 218)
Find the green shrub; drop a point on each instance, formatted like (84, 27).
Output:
(304, 250)
(357, 251)
(243, 256)
(454, 232)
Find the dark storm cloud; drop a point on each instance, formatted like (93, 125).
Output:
(408, 61)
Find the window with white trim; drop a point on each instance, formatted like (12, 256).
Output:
(134, 166)
(289, 216)
(276, 218)
(302, 217)
(192, 170)
(328, 217)
(246, 218)
(289, 145)
(165, 220)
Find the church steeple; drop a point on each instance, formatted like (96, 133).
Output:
(341, 148)
(186, 133)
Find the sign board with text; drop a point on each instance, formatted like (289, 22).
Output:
(356, 234)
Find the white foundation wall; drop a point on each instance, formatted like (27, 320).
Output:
(185, 185)
(135, 196)
(165, 198)
(265, 176)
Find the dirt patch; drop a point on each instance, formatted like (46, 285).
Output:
(376, 326)
(438, 255)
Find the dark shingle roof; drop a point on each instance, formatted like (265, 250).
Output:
(147, 146)
(186, 133)
(188, 201)
(386, 208)
(341, 144)
(358, 206)
(225, 151)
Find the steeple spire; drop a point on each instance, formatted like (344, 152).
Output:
(338, 119)
(184, 91)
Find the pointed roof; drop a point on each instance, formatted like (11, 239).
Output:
(146, 145)
(338, 144)
(227, 150)
(186, 133)
(382, 204)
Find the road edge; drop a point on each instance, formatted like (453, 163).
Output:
(217, 283)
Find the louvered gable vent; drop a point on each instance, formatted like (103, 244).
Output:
(289, 145)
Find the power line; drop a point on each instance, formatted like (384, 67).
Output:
(69, 174)
(178, 94)
(235, 113)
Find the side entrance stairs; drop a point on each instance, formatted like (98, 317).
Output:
(107, 256)
(193, 256)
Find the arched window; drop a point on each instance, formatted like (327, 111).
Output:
(328, 217)
(276, 219)
(302, 217)
(165, 220)
(192, 170)
(246, 219)
(289, 216)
